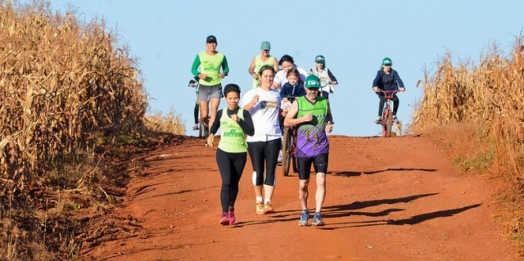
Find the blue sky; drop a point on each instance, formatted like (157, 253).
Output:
(354, 36)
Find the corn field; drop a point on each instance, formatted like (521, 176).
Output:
(62, 85)
(489, 94)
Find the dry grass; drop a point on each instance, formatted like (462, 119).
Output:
(165, 123)
(485, 102)
(68, 98)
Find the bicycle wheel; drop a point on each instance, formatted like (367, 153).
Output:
(286, 151)
(389, 123)
(294, 162)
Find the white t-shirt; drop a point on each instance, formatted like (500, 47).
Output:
(324, 80)
(264, 114)
(281, 76)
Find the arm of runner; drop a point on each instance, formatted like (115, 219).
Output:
(247, 124)
(194, 68)
(216, 122)
(249, 101)
(332, 77)
(252, 68)
(225, 67)
(275, 64)
(293, 111)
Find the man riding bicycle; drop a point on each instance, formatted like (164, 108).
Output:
(193, 83)
(387, 79)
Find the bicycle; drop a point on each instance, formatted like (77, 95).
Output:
(289, 144)
(387, 114)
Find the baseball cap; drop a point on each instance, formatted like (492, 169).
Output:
(265, 45)
(312, 81)
(319, 59)
(211, 39)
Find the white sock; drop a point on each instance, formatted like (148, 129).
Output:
(266, 200)
(259, 199)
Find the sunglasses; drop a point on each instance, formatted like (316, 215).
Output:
(313, 89)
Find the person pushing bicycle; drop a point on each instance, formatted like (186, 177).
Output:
(387, 79)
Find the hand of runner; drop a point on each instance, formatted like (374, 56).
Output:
(202, 76)
(211, 140)
(255, 99)
(329, 127)
(307, 118)
(234, 117)
(222, 75)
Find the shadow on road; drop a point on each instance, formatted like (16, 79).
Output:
(417, 218)
(397, 169)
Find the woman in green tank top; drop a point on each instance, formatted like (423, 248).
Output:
(260, 60)
(235, 123)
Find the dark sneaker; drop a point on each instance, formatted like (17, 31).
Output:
(195, 127)
(395, 120)
(304, 216)
(268, 208)
(260, 208)
(317, 220)
(224, 221)
(231, 217)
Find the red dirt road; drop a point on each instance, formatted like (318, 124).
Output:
(387, 199)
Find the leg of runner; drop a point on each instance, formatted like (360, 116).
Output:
(215, 102)
(204, 112)
(256, 153)
(271, 153)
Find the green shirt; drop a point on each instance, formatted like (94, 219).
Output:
(258, 64)
(210, 65)
(233, 138)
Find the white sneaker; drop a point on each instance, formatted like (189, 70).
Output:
(195, 127)
(378, 120)
(279, 159)
(395, 120)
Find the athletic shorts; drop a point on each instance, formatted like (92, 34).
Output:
(320, 164)
(205, 93)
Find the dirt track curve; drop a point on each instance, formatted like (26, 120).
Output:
(387, 199)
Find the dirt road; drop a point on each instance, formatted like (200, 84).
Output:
(387, 199)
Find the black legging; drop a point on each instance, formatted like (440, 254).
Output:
(231, 166)
(264, 151)
(382, 101)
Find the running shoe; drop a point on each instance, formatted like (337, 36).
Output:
(195, 127)
(304, 216)
(260, 208)
(224, 221)
(317, 220)
(279, 159)
(395, 120)
(231, 213)
(268, 208)
(378, 120)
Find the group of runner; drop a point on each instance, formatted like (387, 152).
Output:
(253, 124)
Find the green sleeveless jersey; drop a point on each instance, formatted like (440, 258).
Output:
(233, 139)
(258, 64)
(210, 65)
(311, 136)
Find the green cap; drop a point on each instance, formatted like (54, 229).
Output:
(387, 61)
(319, 59)
(312, 81)
(265, 46)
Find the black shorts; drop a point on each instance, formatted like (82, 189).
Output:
(320, 164)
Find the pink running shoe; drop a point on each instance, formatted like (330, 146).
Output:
(224, 221)
(231, 217)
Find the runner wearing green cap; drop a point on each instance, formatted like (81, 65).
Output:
(312, 116)
(260, 60)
